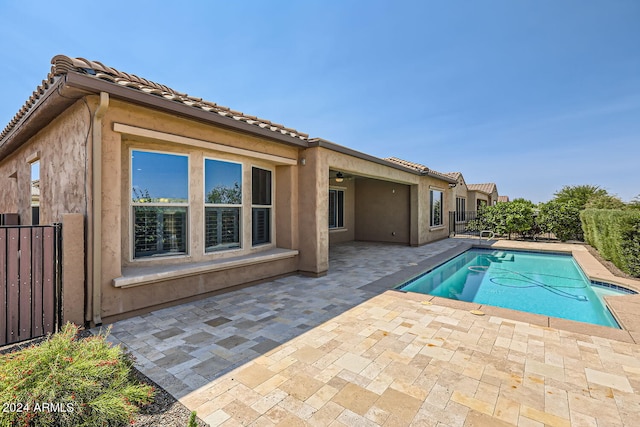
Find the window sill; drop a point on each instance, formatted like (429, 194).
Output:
(137, 276)
(338, 230)
(436, 227)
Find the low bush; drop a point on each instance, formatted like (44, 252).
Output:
(616, 235)
(72, 382)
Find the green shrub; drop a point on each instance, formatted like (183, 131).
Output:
(72, 382)
(192, 420)
(616, 235)
(560, 218)
(505, 218)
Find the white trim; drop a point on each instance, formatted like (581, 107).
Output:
(34, 157)
(178, 139)
(344, 191)
(338, 229)
(150, 275)
(206, 205)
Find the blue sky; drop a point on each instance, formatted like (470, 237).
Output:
(531, 95)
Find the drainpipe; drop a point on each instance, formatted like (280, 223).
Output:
(97, 206)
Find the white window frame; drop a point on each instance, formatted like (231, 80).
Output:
(216, 205)
(270, 206)
(343, 191)
(431, 208)
(133, 204)
(461, 202)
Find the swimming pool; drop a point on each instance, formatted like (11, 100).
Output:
(542, 283)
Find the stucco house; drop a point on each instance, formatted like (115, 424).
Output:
(180, 198)
(482, 194)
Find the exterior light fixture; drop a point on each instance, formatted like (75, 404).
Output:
(339, 177)
(452, 185)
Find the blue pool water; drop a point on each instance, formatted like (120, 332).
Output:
(548, 284)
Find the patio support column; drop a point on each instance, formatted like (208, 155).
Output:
(97, 207)
(414, 218)
(313, 213)
(287, 207)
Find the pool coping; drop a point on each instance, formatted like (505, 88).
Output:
(625, 308)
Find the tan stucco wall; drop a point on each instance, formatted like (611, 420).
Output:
(73, 274)
(313, 206)
(428, 233)
(382, 211)
(116, 212)
(60, 148)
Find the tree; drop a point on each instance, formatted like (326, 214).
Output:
(579, 194)
(225, 195)
(634, 203)
(605, 201)
(560, 218)
(506, 218)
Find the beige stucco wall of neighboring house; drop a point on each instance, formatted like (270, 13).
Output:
(382, 211)
(475, 196)
(493, 197)
(60, 148)
(460, 191)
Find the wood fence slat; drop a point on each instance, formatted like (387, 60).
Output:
(13, 293)
(29, 282)
(3, 286)
(37, 315)
(48, 276)
(25, 285)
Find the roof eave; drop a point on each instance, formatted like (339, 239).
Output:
(50, 104)
(441, 177)
(319, 142)
(137, 97)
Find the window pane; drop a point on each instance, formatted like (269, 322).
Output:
(35, 193)
(340, 208)
(261, 186)
(332, 209)
(436, 207)
(159, 177)
(159, 230)
(261, 226)
(222, 229)
(223, 182)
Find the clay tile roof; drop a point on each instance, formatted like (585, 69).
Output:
(454, 175)
(487, 188)
(419, 168)
(407, 164)
(62, 64)
(503, 199)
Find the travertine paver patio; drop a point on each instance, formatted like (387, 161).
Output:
(339, 350)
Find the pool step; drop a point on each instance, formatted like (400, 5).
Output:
(502, 256)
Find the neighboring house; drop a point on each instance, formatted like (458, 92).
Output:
(182, 198)
(482, 195)
(460, 204)
(503, 199)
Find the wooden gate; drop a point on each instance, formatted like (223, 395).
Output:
(30, 281)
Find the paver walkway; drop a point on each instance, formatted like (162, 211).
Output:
(339, 351)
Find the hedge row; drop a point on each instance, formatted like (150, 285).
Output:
(616, 235)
